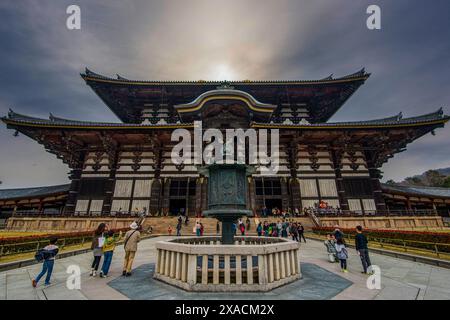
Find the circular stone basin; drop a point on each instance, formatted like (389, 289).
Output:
(204, 264)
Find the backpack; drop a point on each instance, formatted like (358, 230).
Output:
(41, 255)
(343, 254)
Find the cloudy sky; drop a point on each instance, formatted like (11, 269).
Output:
(40, 61)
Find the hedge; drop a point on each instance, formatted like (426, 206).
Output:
(439, 241)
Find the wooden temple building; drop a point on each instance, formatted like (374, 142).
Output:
(126, 167)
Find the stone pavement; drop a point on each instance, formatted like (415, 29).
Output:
(401, 279)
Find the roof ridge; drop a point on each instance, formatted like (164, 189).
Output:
(91, 74)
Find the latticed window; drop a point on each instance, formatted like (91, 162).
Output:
(181, 188)
(268, 187)
(358, 187)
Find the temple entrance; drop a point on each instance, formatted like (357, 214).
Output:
(177, 206)
(273, 203)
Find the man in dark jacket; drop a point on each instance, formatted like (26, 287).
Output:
(362, 249)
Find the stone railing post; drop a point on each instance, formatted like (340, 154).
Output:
(249, 269)
(238, 270)
(192, 269)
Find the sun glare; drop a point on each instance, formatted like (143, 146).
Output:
(222, 72)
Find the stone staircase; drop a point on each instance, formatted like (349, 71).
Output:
(161, 225)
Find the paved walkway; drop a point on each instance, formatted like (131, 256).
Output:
(401, 279)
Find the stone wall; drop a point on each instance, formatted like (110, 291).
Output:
(384, 222)
(161, 225)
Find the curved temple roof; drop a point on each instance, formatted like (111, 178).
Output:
(90, 75)
(128, 98)
(417, 190)
(20, 193)
(434, 118)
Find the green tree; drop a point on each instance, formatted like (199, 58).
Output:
(414, 181)
(446, 182)
(433, 178)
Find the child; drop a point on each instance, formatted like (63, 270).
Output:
(49, 253)
(108, 251)
(169, 230)
(342, 253)
(331, 248)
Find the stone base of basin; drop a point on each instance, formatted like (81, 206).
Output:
(204, 264)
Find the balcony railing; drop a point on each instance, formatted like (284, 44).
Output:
(318, 213)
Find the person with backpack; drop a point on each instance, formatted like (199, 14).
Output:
(132, 238)
(259, 229)
(47, 255)
(97, 243)
(108, 251)
(362, 249)
(342, 253)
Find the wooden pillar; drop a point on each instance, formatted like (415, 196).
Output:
(155, 198)
(284, 194)
(109, 191)
(166, 196)
(295, 194)
(251, 195)
(198, 194)
(375, 176)
(75, 184)
(204, 195)
(337, 164)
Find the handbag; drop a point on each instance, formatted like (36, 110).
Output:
(101, 241)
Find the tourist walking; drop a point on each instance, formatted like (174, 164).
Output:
(179, 224)
(247, 223)
(342, 253)
(98, 241)
(242, 229)
(266, 229)
(301, 232)
(202, 229)
(108, 251)
(218, 227)
(259, 229)
(294, 232)
(47, 255)
(132, 238)
(197, 229)
(362, 248)
(284, 228)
